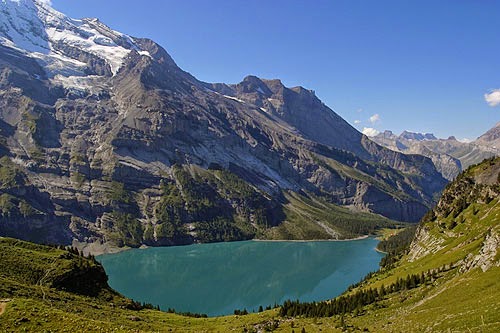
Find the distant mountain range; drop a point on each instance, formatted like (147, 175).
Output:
(450, 156)
(104, 139)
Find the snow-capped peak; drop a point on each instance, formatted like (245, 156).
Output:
(21, 27)
(63, 45)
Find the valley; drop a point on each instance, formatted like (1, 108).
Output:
(138, 197)
(455, 249)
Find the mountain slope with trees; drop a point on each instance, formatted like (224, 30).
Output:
(104, 140)
(444, 278)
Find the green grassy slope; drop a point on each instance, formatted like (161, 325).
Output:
(459, 299)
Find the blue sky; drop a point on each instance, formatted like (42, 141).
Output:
(419, 65)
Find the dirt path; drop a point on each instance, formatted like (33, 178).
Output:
(3, 305)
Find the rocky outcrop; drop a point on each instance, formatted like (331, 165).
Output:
(487, 255)
(424, 244)
(417, 136)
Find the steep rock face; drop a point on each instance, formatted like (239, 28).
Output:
(313, 120)
(446, 164)
(301, 109)
(122, 145)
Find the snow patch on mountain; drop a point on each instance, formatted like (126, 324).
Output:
(99, 45)
(56, 64)
(86, 84)
(20, 24)
(33, 27)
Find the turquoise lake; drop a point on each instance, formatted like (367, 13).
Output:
(216, 279)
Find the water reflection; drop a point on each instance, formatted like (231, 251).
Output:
(217, 278)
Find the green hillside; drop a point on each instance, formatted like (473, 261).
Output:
(45, 289)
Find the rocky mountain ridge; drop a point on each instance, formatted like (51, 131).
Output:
(450, 156)
(103, 138)
(490, 138)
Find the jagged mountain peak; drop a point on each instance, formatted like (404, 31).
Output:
(252, 79)
(449, 155)
(253, 84)
(387, 134)
(252, 88)
(303, 91)
(417, 136)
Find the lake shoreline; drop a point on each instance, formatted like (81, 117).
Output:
(380, 251)
(217, 278)
(310, 240)
(98, 249)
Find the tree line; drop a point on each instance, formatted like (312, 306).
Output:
(397, 245)
(356, 301)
